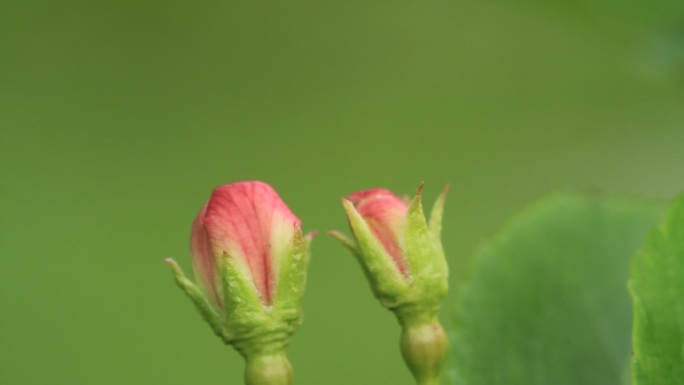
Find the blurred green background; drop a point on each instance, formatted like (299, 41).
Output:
(118, 118)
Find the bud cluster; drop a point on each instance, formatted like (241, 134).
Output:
(250, 258)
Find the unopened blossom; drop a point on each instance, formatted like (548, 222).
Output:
(248, 223)
(250, 256)
(402, 257)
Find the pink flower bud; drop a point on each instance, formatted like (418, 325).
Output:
(386, 215)
(248, 222)
(398, 248)
(402, 256)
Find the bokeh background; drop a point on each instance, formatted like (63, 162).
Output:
(117, 118)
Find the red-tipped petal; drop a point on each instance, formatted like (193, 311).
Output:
(373, 193)
(249, 221)
(202, 256)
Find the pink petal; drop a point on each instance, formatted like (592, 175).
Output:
(249, 221)
(202, 256)
(385, 214)
(363, 195)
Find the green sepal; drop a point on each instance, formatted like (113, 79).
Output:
(426, 259)
(435, 223)
(347, 242)
(352, 246)
(243, 308)
(257, 328)
(287, 303)
(388, 283)
(203, 305)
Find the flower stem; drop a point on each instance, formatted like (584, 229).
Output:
(268, 369)
(424, 346)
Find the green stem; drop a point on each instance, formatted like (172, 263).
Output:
(268, 369)
(424, 346)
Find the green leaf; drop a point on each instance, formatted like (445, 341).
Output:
(657, 288)
(547, 301)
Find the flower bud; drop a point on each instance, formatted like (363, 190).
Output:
(250, 257)
(399, 251)
(401, 254)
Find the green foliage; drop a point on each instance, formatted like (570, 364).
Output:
(657, 288)
(547, 301)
